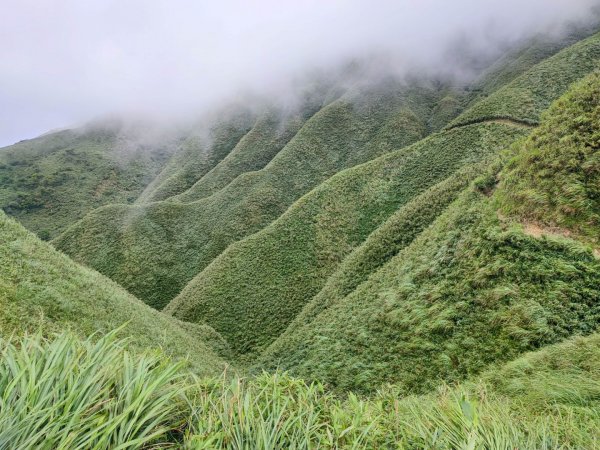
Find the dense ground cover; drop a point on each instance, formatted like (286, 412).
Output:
(42, 289)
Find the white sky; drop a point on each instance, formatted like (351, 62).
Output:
(67, 61)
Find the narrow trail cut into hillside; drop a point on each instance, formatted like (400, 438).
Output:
(501, 120)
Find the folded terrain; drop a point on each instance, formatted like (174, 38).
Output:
(155, 249)
(501, 271)
(409, 231)
(42, 289)
(270, 276)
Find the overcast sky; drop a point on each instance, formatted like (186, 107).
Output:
(68, 61)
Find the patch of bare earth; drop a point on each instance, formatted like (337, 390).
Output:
(537, 230)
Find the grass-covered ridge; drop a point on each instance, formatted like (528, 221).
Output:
(554, 177)
(530, 94)
(205, 145)
(268, 277)
(474, 289)
(41, 288)
(52, 181)
(155, 249)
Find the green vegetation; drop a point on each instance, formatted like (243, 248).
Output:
(468, 292)
(72, 394)
(99, 396)
(272, 131)
(473, 289)
(155, 249)
(54, 180)
(41, 288)
(395, 265)
(525, 98)
(268, 277)
(554, 178)
(207, 144)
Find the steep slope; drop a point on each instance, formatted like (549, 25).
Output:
(267, 278)
(210, 140)
(531, 93)
(554, 180)
(52, 181)
(475, 288)
(270, 276)
(42, 288)
(154, 250)
(272, 131)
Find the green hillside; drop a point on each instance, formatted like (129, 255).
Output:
(209, 141)
(369, 263)
(555, 179)
(268, 277)
(42, 289)
(49, 182)
(154, 250)
(531, 93)
(475, 288)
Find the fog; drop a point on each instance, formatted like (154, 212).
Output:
(68, 61)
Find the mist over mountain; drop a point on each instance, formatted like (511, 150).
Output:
(269, 225)
(66, 62)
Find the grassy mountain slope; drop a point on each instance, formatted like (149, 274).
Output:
(272, 131)
(42, 288)
(208, 143)
(473, 289)
(531, 93)
(268, 277)
(555, 179)
(52, 181)
(518, 61)
(154, 250)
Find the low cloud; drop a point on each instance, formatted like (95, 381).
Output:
(66, 61)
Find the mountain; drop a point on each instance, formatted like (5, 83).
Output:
(268, 277)
(42, 289)
(52, 181)
(138, 247)
(430, 245)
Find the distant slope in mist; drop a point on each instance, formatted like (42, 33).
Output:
(52, 181)
(207, 143)
(154, 250)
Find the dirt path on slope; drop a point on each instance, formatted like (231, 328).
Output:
(501, 120)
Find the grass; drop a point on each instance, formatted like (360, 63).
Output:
(138, 247)
(208, 143)
(528, 95)
(268, 277)
(66, 393)
(401, 285)
(41, 288)
(271, 132)
(474, 288)
(554, 177)
(99, 396)
(54, 180)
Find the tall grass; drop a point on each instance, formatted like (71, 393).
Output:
(273, 411)
(70, 394)
(64, 393)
